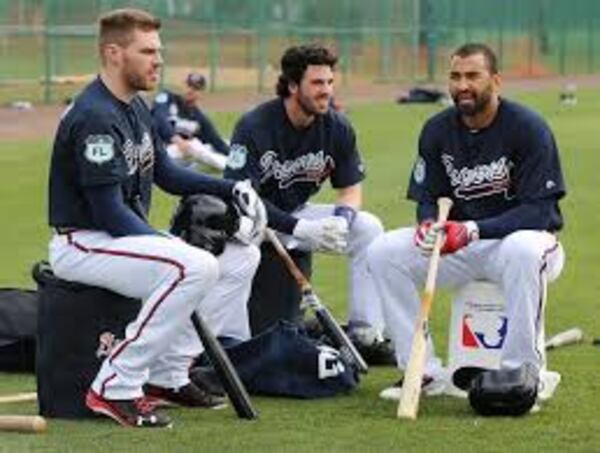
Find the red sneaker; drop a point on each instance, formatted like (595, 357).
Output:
(137, 413)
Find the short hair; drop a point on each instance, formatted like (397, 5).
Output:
(296, 59)
(474, 48)
(117, 26)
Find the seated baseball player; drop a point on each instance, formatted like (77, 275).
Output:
(288, 147)
(190, 136)
(105, 160)
(499, 163)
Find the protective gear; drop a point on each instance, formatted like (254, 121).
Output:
(505, 391)
(205, 221)
(250, 204)
(425, 236)
(329, 234)
(457, 235)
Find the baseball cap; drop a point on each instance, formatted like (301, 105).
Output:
(196, 81)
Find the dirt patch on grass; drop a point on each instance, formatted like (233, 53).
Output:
(41, 121)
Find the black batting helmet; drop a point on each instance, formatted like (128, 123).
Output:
(205, 221)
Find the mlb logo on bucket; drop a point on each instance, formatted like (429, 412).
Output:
(484, 331)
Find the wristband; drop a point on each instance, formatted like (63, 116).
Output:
(347, 212)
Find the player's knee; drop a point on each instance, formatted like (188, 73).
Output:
(394, 247)
(202, 268)
(523, 249)
(366, 228)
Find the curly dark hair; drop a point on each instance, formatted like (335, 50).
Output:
(296, 59)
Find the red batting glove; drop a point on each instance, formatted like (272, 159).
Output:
(458, 235)
(425, 236)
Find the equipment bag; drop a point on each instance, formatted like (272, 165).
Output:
(77, 326)
(18, 320)
(284, 361)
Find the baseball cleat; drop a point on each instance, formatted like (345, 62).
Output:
(137, 413)
(429, 386)
(190, 395)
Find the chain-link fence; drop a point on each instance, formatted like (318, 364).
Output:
(47, 47)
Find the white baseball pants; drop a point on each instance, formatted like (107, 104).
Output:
(518, 264)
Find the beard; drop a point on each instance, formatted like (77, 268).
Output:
(137, 80)
(478, 104)
(310, 106)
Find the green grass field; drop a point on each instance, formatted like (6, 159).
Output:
(360, 421)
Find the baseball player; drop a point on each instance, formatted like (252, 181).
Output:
(288, 147)
(189, 134)
(499, 163)
(104, 161)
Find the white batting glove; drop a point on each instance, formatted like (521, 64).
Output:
(326, 235)
(247, 232)
(250, 204)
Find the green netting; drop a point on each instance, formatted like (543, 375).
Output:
(45, 45)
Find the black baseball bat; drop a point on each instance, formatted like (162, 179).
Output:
(324, 317)
(233, 385)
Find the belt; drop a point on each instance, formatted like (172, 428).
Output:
(64, 230)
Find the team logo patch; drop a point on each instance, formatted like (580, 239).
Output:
(99, 148)
(419, 170)
(237, 156)
(161, 98)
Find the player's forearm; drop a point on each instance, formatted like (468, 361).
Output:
(181, 181)
(426, 211)
(350, 196)
(111, 214)
(527, 216)
(280, 220)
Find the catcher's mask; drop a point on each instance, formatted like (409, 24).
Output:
(205, 221)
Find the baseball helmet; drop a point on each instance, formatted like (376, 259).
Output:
(205, 221)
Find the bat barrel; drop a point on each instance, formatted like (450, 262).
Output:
(23, 423)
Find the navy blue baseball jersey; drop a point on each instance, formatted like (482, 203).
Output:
(100, 141)
(103, 142)
(174, 116)
(288, 165)
(513, 162)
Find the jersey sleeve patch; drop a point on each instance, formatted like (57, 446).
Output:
(161, 98)
(237, 156)
(419, 171)
(99, 149)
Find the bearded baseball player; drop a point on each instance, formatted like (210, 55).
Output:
(105, 159)
(498, 162)
(189, 134)
(288, 147)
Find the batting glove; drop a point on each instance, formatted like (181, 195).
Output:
(326, 235)
(457, 235)
(250, 205)
(425, 236)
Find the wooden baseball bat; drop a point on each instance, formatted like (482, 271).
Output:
(413, 376)
(233, 385)
(571, 336)
(23, 423)
(18, 397)
(330, 326)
